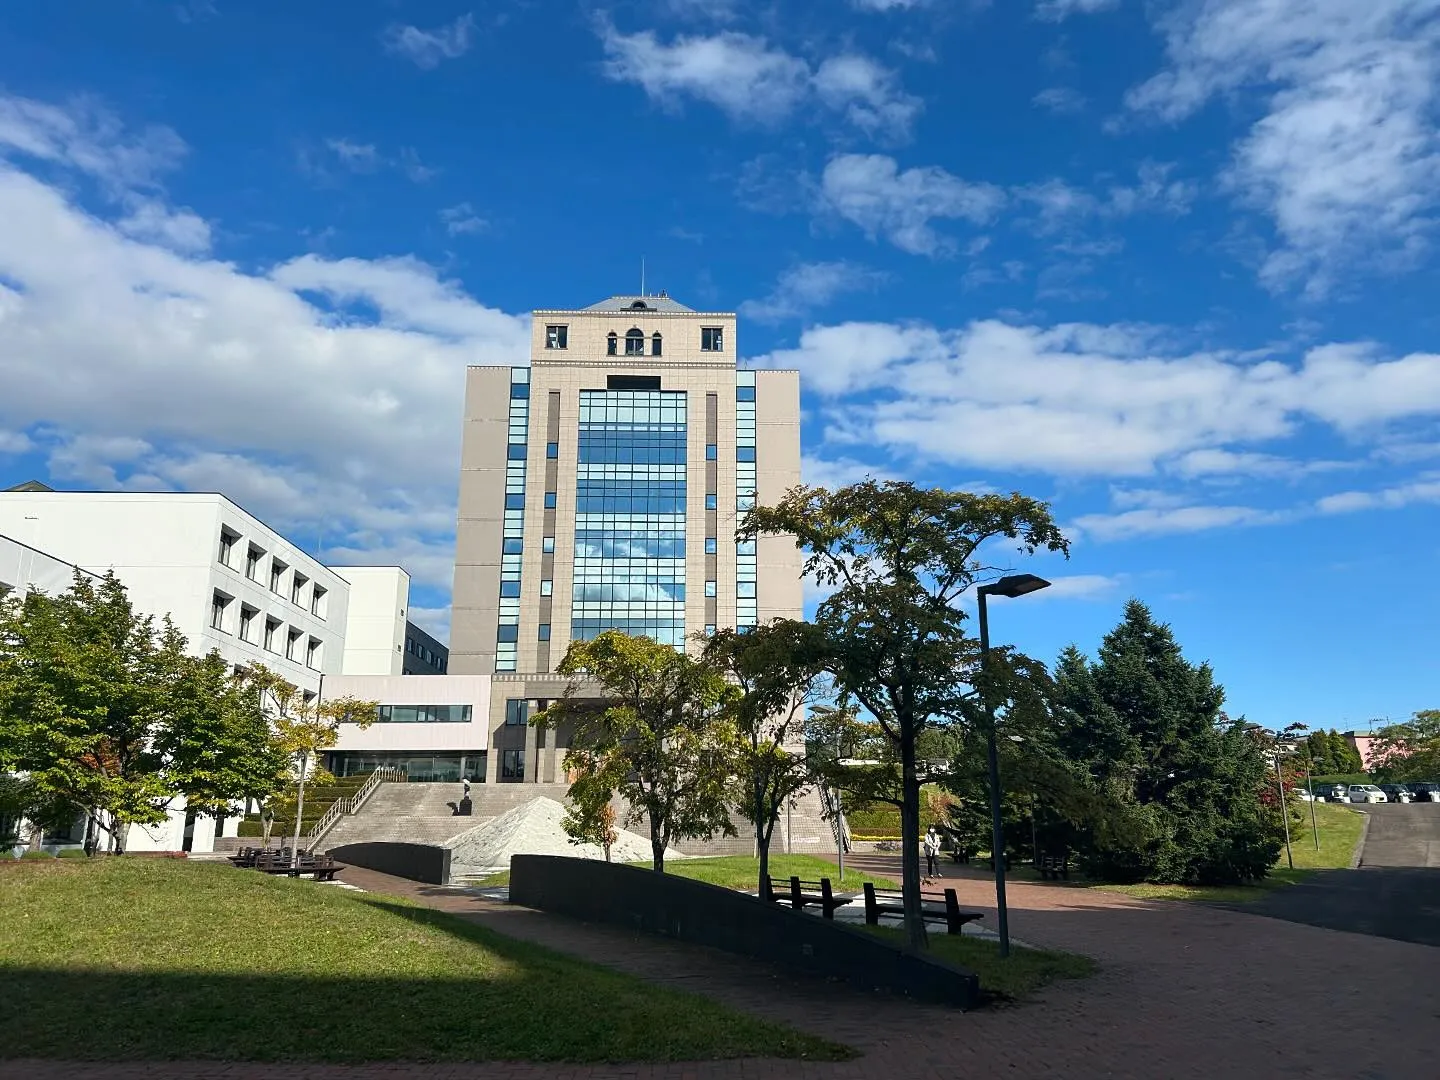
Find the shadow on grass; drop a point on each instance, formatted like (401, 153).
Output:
(525, 1015)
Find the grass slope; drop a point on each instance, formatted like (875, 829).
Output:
(743, 872)
(164, 959)
(1339, 830)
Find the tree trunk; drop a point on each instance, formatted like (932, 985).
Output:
(762, 841)
(607, 852)
(37, 836)
(910, 839)
(657, 846)
(299, 811)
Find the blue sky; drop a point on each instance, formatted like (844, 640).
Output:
(1170, 266)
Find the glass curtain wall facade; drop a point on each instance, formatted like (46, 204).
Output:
(630, 515)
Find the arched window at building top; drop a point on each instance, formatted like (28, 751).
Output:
(635, 342)
(610, 341)
(655, 343)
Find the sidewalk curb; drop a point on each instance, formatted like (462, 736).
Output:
(1359, 852)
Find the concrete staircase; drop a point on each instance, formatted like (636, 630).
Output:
(421, 814)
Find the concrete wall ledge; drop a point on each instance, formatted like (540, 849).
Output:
(429, 863)
(704, 914)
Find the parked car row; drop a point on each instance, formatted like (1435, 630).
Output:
(1418, 791)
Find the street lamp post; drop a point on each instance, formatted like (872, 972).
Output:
(1015, 585)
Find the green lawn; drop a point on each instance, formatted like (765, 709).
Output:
(130, 958)
(743, 872)
(1339, 832)
(1015, 977)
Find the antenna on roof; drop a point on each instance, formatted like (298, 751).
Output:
(642, 275)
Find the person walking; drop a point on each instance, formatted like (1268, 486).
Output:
(932, 853)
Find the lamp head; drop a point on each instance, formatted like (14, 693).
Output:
(1015, 585)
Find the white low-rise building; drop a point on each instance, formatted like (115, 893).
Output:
(230, 583)
(434, 728)
(226, 579)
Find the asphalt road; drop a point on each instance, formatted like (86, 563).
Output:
(1394, 893)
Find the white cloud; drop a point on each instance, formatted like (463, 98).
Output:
(1229, 463)
(355, 156)
(871, 191)
(1145, 523)
(1081, 587)
(1058, 10)
(324, 394)
(752, 81)
(15, 442)
(1060, 99)
(838, 472)
(180, 230)
(413, 168)
(89, 138)
(1346, 158)
(887, 5)
(1426, 489)
(1082, 399)
(430, 48)
(807, 286)
(461, 220)
(434, 621)
(867, 94)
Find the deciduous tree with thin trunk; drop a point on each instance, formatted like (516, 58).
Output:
(591, 824)
(652, 725)
(779, 670)
(304, 727)
(899, 559)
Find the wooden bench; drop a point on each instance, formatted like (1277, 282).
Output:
(802, 894)
(322, 867)
(1053, 867)
(892, 902)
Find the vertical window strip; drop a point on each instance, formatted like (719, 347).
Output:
(506, 648)
(747, 605)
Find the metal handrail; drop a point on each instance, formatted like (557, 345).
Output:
(350, 804)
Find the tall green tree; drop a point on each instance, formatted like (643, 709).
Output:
(104, 710)
(899, 558)
(778, 668)
(1411, 750)
(1147, 727)
(653, 726)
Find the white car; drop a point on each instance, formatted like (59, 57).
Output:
(1365, 793)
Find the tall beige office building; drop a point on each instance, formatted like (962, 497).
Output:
(600, 488)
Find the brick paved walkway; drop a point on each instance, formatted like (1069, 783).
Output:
(1184, 991)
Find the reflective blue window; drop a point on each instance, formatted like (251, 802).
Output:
(744, 453)
(744, 393)
(544, 631)
(629, 569)
(549, 500)
(710, 452)
(710, 501)
(515, 451)
(509, 632)
(519, 390)
(552, 449)
(514, 545)
(510, 588)
(710, 545)
(514, 502)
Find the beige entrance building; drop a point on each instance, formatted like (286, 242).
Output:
(600, 488)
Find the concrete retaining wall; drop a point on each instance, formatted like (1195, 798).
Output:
(720, 918)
